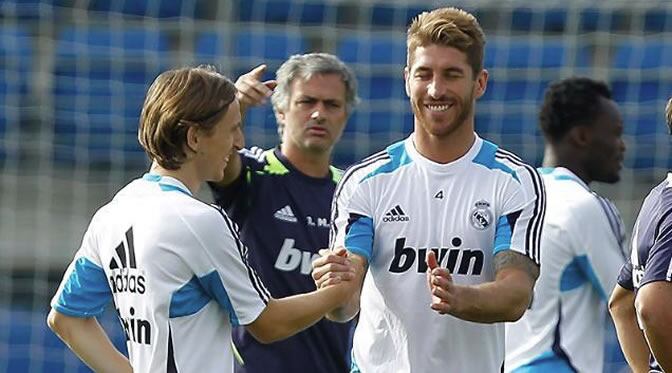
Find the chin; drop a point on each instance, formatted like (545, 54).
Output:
(610, 179)
(316, 146)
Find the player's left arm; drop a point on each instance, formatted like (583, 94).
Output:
(654, 297)
(504, 299)
(631, 338)
(516, 259)
(654, 307)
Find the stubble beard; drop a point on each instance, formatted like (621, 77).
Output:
(465, 103)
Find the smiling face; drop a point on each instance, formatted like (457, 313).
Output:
(214, 147)
(441, 86)
(315, 115)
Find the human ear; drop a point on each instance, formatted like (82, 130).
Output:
(193, 139)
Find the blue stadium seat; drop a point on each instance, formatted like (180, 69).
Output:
(520, 53)
(27, 332)
(515, 90)
(382, 122)
(364, 122)
(146, 8)
(657, 20)
(648, 120)
(641, 54)
(522, 19)
(643, 156)
(281, 11)
(647, 90)
(262, 118)
(373, 49)
(381, 86)
(268, 44)
(528, 19)
(518, 123)
(16, 58)
(30, 9)
(514, 122)
(602, 19)
(396, 15)
(209, 47)
(110, 44)
(100, 79)
(645, 127)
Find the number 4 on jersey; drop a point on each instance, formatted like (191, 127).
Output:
(439, 194)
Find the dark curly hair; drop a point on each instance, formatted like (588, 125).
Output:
(568, 103)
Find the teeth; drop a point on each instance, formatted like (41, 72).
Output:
(438, 107)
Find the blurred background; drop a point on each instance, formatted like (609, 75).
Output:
(73, 74)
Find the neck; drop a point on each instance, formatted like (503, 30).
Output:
(444, 149)
(315, 164)
(184, 174)
(560, 157)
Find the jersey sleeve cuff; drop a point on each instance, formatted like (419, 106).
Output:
(75, 313)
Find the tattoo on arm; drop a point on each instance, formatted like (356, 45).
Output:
(509, 258)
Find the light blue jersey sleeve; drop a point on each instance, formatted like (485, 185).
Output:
(359, 235)
(84, 290)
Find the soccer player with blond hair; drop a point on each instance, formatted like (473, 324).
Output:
(443, 227)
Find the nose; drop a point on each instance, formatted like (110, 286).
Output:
(436, 88)
(317, 114)
(238, 139)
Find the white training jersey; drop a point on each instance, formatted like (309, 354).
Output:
(394, 206)
(582, 245)
(177, 274)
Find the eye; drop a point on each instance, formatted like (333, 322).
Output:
(305, 101)
(422, 75)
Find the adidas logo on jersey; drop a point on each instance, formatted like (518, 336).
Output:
(286, 214)
(395, 214)
(126, 277)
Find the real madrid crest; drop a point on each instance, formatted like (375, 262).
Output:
(481, 216)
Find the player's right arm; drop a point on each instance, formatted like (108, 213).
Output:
(222, 266)
(333, 267)
(352, 231)
(86, 338)
(82, 296)
(251, 92)
(631, 338)
(285, 317)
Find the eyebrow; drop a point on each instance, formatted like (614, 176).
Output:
(311, 98)
(448, 70)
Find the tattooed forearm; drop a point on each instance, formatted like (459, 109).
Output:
(509, 258)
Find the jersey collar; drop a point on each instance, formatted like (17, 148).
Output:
(562, 173)
(442, 167)
(167, 183)
(289, 167)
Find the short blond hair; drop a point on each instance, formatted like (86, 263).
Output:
(449, 27)
(178, 99)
